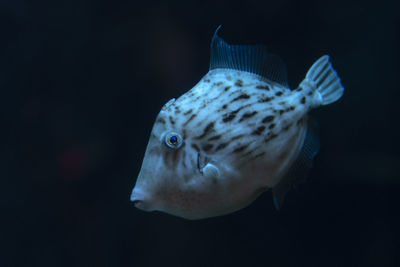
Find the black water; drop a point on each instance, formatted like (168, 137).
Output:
(82, 81)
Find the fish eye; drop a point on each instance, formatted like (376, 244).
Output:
(173, 140)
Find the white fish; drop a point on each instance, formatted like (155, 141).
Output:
(238, 133)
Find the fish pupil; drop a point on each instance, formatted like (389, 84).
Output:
(173, 140)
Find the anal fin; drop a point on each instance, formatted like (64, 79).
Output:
(301, 166)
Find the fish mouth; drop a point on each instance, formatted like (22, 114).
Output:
(138, 199)
(137, 202)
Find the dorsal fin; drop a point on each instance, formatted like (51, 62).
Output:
(250, 58)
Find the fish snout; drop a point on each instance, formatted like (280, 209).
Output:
(140, 199)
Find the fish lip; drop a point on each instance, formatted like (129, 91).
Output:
(137, 198)
(137, 202)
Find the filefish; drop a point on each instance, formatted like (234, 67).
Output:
(237, 133)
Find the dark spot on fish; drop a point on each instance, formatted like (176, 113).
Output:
(221, 146)
(231, 115)
(240, 149)
(224, 106)
(227, 88)
(203, 105)
(310, 93)
(207, 147)
(184, 134)
(282, 103)
(279, 93)
(263, 87)
(259, 155)
(281, 112)
(265, 99)
(258, 131)
(299, 89)
(268, 119)
(229, 77)
(286, 128)
(291, 108)
(188, 112)
(191, 118)
(171, 120)
(207, 80)
(161, 120)
(213, 138)
(270, 137)
(272, 126)
(247, 154)
(195, 147)
(206, 130)
(197, 98)
(248, 115)
(242, 96)
(239, 83)
(236, 137)
(218, 83)
(303, 100)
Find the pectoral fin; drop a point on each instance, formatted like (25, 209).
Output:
(211, 171)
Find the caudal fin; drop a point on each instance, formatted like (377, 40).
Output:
(323, 78)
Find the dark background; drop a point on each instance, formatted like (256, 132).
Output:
(82, 81)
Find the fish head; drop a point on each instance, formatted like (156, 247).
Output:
(175, 176)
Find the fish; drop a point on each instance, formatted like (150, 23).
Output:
(239, 132)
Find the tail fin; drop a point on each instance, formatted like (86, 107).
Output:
(324, 78)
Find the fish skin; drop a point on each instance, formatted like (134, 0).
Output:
(240, 132)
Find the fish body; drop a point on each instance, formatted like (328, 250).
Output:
(236, 134)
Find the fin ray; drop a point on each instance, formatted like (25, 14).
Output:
(250, 58)
(324, 78)
(301, 166)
